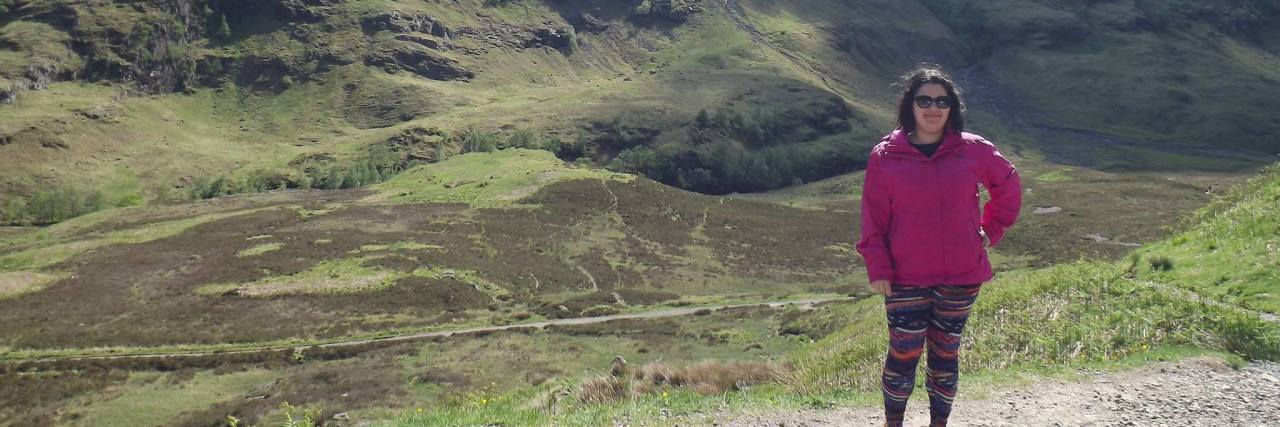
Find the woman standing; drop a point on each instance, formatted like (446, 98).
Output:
(923, 239)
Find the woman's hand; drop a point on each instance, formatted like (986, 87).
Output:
(881, 286)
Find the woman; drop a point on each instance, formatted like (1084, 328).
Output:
(922, 239)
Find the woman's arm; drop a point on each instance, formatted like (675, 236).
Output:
(874, 244)
(1002, 182)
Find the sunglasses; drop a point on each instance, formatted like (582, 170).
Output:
(942, 102)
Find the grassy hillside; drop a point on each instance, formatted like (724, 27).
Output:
(475, 239)
(146, 101)
(1228, 249)
(1026, 324)
(477, 162)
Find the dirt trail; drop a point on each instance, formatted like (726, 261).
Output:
(1195, 392)
(671, 312)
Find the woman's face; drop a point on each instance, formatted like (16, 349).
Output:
(933, 119)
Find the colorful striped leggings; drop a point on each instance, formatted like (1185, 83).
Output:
(918, 315)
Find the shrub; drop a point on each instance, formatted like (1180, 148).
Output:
(204, 188)
(523, 138)
(51, 206)
(479, 141)
(1162, 263)
(14, 211)
(707, 377)
(703, 120)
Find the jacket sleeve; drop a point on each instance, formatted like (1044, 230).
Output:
(1005, 187)
(876, 219)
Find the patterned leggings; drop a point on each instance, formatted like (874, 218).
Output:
(918, 315)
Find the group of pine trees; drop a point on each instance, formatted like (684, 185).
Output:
(371, 168)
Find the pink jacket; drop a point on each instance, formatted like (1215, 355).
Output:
(920, 223)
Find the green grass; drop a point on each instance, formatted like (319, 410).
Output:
(1230, 249)
(50, 250)
(492, 179)
(327, 277)
(1061, 316)
(34, 43)
(150, 398)
(1177, 94)
(17, 283)
(1055, 176)
(1026, 326)
(526, 406)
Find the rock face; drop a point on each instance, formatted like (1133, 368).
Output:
(586, 22)
(501, 35)
(669, 10)
(397, 22)
(306, 10)
(419, 60)
(556, 38)
(427, 42)
(418, 144)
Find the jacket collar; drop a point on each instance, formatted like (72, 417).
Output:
(900, 142)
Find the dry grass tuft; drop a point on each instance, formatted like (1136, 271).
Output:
(603, 389)
(706, 377)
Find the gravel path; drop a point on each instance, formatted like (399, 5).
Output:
(1194, 392)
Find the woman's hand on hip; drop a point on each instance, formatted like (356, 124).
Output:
(881, 286)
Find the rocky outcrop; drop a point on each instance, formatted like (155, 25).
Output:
(495, 34)
(419, 60)
(306, 10)
(397, 22)
(426, 41)
(553, 37)
(588, 23)
(668, 10)
(418, 144)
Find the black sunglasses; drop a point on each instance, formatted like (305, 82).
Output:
(943, 102)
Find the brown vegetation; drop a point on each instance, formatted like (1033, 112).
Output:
(707, 377)
(144, 294)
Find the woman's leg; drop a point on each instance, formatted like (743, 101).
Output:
(951, 305)
(908, 310)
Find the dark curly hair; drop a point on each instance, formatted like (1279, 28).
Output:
(911, 82)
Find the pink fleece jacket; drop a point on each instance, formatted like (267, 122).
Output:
(920, 219)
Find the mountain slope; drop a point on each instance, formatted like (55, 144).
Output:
(803, 87)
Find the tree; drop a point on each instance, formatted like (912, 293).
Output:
(14, 210)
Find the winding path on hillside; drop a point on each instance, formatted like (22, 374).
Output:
(736, 13)
(356, 343)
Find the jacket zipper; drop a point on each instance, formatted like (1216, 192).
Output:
(933, 172)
